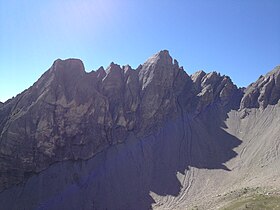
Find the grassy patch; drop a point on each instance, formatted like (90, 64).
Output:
(256, 202)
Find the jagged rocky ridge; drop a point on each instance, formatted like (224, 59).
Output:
(69, 114)
(265, 91)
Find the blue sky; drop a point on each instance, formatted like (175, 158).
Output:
(239, 38)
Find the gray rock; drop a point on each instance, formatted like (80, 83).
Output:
(157, 78)
(265, 91)
(69, 114)
(214, 88)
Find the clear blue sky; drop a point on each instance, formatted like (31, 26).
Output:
(239, 38)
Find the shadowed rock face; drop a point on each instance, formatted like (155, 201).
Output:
(122, 176)
(150, 124)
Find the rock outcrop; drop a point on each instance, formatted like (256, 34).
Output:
(213, 88)
(265, 91)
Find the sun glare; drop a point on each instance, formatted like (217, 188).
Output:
(79, 16)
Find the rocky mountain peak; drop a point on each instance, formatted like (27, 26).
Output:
(159, 67)
(114, 71)
(265, 91)
(69, 67)
(160, 80)
(196, 78)
(114, 78)
(113, 67)
(101, 73)
(65, 72)
(158, 60)
(127, 68)
(212, 87)
(162, 57)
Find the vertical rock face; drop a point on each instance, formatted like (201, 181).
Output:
(161, 82)
(69, 114)
(56, 119)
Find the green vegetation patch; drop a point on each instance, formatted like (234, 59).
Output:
(256, 202)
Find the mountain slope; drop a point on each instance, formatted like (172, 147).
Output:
(125, 139)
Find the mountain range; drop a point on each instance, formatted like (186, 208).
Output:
(152, 137)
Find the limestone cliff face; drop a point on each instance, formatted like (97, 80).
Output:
(69, 114)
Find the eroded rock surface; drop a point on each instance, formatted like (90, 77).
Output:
(213, 88)
(265, 91)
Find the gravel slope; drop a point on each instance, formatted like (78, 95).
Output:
(188, 163)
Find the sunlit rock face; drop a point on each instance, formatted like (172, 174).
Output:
(265, 91)
(120, 138)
